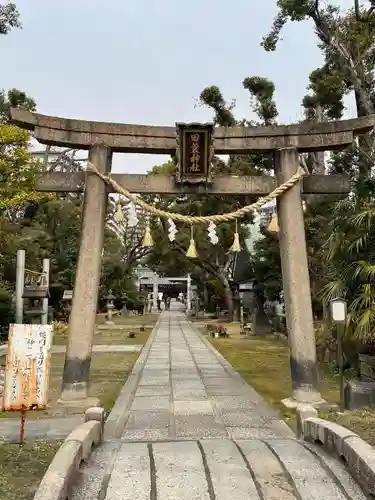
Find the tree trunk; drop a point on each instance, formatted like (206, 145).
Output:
(228, 296)
(236, 304)
(261, 322)
(206, 297)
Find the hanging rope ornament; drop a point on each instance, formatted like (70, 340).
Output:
(148, 240)
(273, 226)
(217, 218)
(172, 230)
(132, 215)
(119, 215)
(236, 247)
(192, 250)
(212, 233)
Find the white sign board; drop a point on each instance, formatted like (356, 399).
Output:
(27, 367)
(338, 310)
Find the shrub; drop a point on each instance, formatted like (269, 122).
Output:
(6, 311)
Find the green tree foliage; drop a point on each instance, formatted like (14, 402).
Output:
(265, 260)
(351, 258)
(214, 265)
(340, 233)
(18, 170)
(45, 225)
(9, 17)
(14, 99)
(348, 47)
(169, 258)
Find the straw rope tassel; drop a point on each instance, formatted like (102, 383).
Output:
(274, 224)
(192, 250)
(236, 247)
(119, 215)
(148, 240)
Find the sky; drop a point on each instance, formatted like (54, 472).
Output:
(146, 61)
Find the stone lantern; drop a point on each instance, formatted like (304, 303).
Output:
(124, 310)
(110, 306)
(196, 306)
(68, 298)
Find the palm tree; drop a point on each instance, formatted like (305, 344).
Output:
(351, 260)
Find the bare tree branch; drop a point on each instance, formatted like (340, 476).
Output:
(333, 40)
(366, 15)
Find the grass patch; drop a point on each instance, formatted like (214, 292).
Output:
(112, 336)
(362, 422)
(120, 337)
(142, 319)
(264, 363)
(22, 468)
(107, 337)
(109, 372)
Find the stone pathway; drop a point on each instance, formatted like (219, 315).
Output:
(194, 430)
(187, 391)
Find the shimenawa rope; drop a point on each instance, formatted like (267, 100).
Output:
(218, 218)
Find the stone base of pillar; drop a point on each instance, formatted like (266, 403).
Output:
(71, 406)
(319, 404)
(109, 322)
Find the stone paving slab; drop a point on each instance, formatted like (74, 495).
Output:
(214, 469)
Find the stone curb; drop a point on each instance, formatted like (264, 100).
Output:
(119, 415)
(68, 458)
(354, 452)
(304, 411)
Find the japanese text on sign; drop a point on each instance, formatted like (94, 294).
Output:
(194, 151)
(195, 157)
(27, 367)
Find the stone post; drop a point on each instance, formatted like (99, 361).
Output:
(20, 283)
(188, 294)
(155, 292)
(296, 284)
(46, 266)
(83, 314)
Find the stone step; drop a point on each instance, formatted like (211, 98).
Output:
(284, 469)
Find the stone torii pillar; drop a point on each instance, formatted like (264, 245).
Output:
(296, 284)
(76, 374)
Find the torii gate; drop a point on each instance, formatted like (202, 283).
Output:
(147, 277)
(104, 139)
